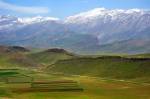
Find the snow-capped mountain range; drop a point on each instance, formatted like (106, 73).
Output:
(9, 21)
(88, 31)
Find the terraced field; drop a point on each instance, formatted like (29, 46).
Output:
(14, 82)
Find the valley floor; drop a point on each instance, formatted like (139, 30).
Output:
(58, 74)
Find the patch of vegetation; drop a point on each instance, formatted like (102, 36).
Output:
(13, 76)
(5, 92)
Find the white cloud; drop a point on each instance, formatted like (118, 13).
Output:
(23, 9)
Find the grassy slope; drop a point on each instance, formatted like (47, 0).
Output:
(13, 60)
(48, 58)
(146, 55)
(104, 67)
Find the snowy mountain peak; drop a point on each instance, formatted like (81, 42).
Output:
(130, 11)
(92, 13)
(36, 19)
(8, 22)
(96, 11)
(102, 12)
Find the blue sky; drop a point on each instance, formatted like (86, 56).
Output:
(64, 8)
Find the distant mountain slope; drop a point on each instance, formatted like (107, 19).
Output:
(132, 46)
(111, 25)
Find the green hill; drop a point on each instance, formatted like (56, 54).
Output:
(50, 56)
(113, 67)
(15, 56)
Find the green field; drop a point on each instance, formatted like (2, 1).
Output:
(111, 67)
(93, 88)
(58, 74)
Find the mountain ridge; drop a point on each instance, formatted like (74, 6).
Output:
(93, 28)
